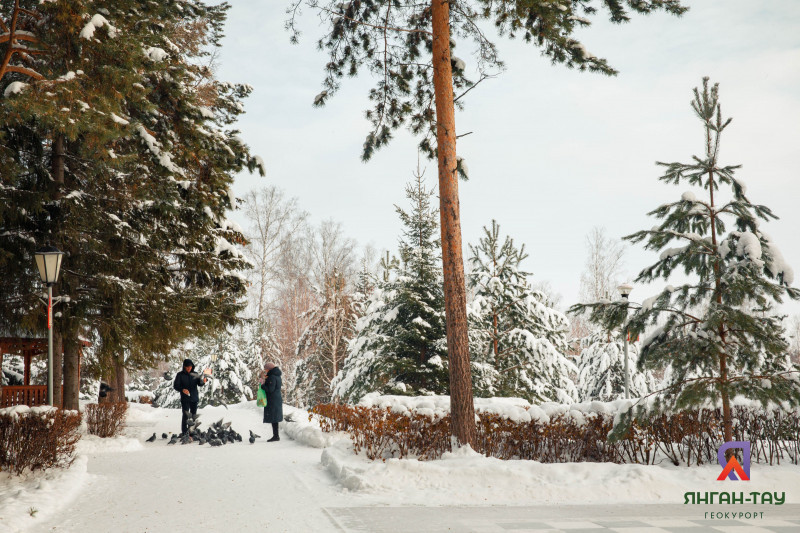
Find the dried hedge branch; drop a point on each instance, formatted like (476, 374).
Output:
(687, 437)
(106, 419)
(38, 439)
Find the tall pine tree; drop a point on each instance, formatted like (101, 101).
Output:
(407, 47)
(717, 333)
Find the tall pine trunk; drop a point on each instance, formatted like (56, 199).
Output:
(72, 377)
(58, 369)
(462, 410)
(114, 377)
(119, 375)
(727, 422)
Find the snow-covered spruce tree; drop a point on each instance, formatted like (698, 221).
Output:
(601, 370)
(517, 341)
(122, 155)
(400, 345)
(717, 332)
(229, 382)
(323, 346)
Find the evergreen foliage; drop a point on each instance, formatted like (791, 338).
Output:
(399, 345)
(717, 333)
(517, 340)
(232, 371)
(393, 41)
(122, 155)
(601, 370)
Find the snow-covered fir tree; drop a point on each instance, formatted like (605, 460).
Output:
(323, 345)
(116, 145)
(601, 370)
(399, 345)
(231, 372)
(517, 340)
(717, 332)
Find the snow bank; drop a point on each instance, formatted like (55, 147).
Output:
(514, 409)
(33, 498)
(520, 410)
(465, 477)
(308, 432)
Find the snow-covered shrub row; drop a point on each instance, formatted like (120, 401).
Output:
(520, 410)
(510, 428)
(37, 438)
(106, 419)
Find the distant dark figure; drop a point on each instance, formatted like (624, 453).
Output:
(186, 383)
(273, 412)
(104, 389)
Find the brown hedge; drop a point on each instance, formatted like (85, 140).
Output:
(38, 440)
(688, 437)
(106, 419)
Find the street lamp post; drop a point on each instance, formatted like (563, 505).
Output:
(624, 290)
(48, 259)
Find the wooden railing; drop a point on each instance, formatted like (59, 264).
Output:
(30, 395)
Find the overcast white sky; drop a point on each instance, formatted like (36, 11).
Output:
(553, 151)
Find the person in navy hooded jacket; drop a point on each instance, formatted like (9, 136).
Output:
(186, 382)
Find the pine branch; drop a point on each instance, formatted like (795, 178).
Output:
(373, 25)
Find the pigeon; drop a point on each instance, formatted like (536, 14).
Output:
(254, 436)
(173, 440)
(215, 442)
(201, 441)
(151, 439)
(252, 439)
(163, 435)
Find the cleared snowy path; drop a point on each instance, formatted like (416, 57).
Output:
(134, 486)
(237, 487)
(565, 519)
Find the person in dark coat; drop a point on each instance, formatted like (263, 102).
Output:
(186, 383)
(273, 412)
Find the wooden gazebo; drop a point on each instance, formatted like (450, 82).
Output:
(25, 394)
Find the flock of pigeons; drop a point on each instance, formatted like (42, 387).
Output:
(217, 434)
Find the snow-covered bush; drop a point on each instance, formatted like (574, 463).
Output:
(511, 428)
(37, 438)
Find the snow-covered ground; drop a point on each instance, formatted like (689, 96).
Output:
(126, 484)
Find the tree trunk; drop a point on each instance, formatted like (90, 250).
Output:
(727, 421)
(119, 380)
(72, 376)
(58, 373)
(462, 409)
